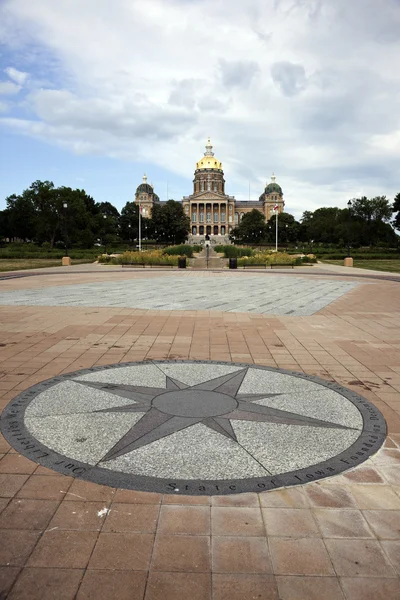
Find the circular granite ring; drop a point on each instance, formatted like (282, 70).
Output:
(193, 427)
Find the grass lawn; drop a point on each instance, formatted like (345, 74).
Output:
(18, 264)
(392, 266)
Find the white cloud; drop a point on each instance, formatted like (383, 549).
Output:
(18, 76)
(307, 88)
(9, 88)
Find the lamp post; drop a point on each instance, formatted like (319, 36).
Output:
(105, 248)
(65, 207)
(349, 204)
(130, 235)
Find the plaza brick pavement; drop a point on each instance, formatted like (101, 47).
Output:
(337, 539)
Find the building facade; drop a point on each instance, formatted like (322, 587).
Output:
(210, 210)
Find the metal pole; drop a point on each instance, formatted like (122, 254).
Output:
(276, 231)
(348, 227)
(140, 227)
(207, 254)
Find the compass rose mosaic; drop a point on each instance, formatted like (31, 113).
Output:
(193, 427)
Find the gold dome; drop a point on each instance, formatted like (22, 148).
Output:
(209, 161)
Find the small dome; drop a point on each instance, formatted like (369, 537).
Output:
(145, 187)
(209, 161)
(273, 187)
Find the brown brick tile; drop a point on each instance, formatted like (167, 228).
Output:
(125, 551)
(90, 492)
(297, 556)
(81, 516)
(23, 513)
(331, 496)
(171, 586)
(133, 497)
(121, 585)
(309, 588)
(368, 588)
(132, 517)
(240, 555)
(171, 499)
(285, 498)
(41, 487)
(244, 587)
(10, 484)
(194, 520)
(181, 553)
(7, 577)
(4, 445)
(359, 558)
(247, 500)
(16, 546)
(290, 522)
(46, 584)
(384, 523)
(335, 523)
(363, 475)
(236, 521)
(63, 549)
(379, 497)
(16, 463)
(392, 549)
(3, 503)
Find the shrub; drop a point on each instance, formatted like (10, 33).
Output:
(147, 257)
(266, 258)
(231, 251)
(181, 250)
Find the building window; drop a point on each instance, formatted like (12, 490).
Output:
(194, 230)
(222, 230)
(202, 186)
(215, 187)
(201, 230)
(201, 217)
(208, 217)
(194, 217)
(223, 217)
(215, 229)
(230, 208)
(215, 217)
(208, 186)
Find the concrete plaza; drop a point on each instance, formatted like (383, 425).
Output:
(337, 538)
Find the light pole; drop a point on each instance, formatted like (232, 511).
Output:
(105, 247)
(140, 228)
(130, 235)
(65, 207)
(349, 204)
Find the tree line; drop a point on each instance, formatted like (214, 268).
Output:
(365, 222)
(62, 216)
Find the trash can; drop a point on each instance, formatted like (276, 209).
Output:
(233, 263)
(182, 262)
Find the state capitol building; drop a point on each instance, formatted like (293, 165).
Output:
(209, 209)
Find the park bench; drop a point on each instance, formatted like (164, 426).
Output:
(280, 265)
(144, 265)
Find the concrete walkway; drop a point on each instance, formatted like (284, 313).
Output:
(63, 538)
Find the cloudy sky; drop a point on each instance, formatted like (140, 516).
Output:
(95, 92)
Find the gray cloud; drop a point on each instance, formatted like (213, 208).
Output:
(237, 73)
(289, 77)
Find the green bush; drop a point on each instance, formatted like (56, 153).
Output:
(147, 257)
(231, 251)
(181, 250)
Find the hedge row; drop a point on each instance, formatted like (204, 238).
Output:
(358, 256)
(231, 251)
(182, 250)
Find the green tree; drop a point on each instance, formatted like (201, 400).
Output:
(396, 209)
(252, 229)
(170, 222)
(22, 220)
(288, 228)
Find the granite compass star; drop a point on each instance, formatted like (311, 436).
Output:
(214, 403)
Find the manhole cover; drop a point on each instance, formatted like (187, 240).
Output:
(193, 427)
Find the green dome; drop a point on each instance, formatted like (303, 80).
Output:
(144, 187)
(273, 187)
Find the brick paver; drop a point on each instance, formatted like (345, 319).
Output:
(338, 539)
